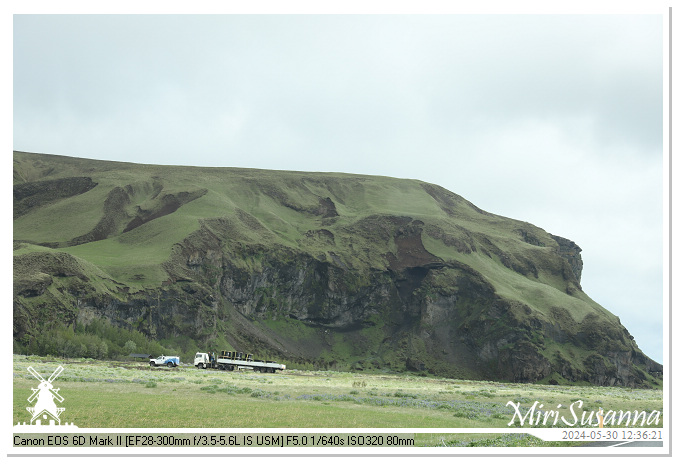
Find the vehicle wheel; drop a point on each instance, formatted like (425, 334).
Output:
(200, 366)
(152, 364)
(170, 364)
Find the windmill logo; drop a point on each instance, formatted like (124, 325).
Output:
(45, 407)
(45, 411)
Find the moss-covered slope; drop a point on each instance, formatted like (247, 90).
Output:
(327, 268)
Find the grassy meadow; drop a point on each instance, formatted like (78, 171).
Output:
(101, 394)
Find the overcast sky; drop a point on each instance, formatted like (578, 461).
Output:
(555, 120)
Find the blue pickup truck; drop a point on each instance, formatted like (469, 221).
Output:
(169, 361)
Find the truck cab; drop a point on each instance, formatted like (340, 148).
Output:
(204, 360)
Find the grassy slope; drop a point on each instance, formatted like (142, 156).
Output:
(355, 197)
(272, 208)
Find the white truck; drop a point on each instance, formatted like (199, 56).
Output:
(169, 361)
(230, 360)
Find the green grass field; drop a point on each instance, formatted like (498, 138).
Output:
(133, 395)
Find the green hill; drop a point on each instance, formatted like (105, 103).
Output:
(323, 268)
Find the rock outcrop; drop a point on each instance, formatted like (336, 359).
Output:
(325, 269)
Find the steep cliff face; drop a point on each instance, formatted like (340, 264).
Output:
(369, 272)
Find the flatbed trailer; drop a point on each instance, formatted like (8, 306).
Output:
(232, 360)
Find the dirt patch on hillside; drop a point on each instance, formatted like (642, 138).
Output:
(410, 252)
(114, 213)
(167, 204)
(31, 195)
